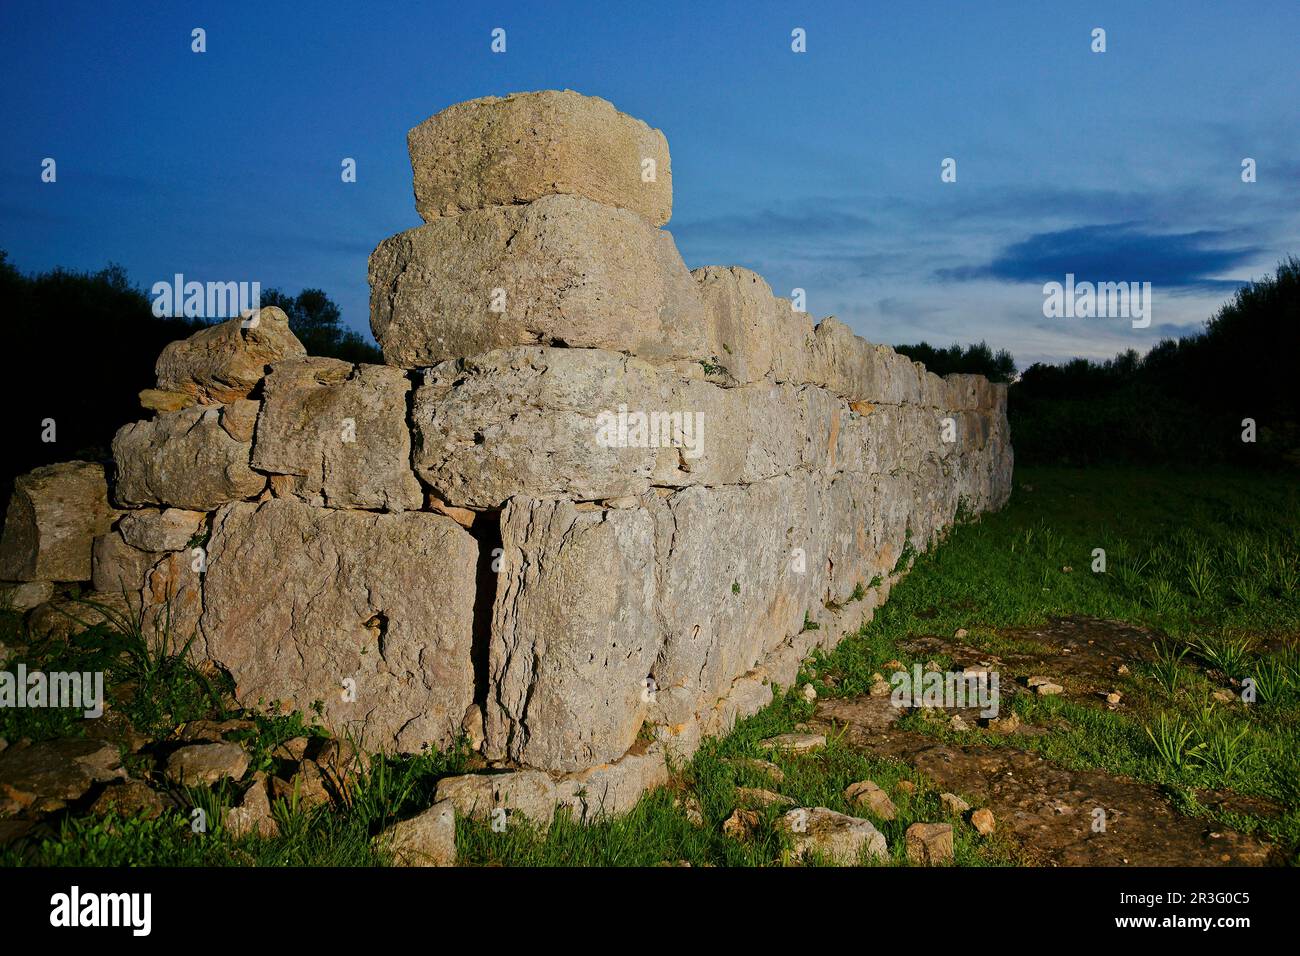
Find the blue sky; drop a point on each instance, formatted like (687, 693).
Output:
(819, 170)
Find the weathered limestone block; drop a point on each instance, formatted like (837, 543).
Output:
(341, 431)
(239, 418)
(54, 515)
(184, 459)
(119, 567)
(852, 367)
(543, 421)
(225, 362)
(167, 529)
(574, 634)
(516, 149)
(301, 604)
(751, 333)
(738, 568)
(971, 392)
(525, 421)
(559, 270)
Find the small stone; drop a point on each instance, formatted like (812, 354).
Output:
(1224, 695)
(129, 799)
(764, 798)
(956, 723)
(428, 839)
(462, 516)
(868, 794)
(340, 760)
(1113, 698)
(295, 748)
(160, 400)
(795, 743)
(306, 789)
(1005, 725)
(153, 529)
(49, 775)
(983, 822)
(932, 667)
(1067, 570)
(54, 515)
(881, 688)
(809, 692)
(691, 809)
(206, 763)
(907, 787)
(472, 725)
(953, 803)
(741, 824)
(1049, 689)
(837, 838)
(211, 731)
(253, 815)
(1122, 669)
(961, 633)
(929, 844)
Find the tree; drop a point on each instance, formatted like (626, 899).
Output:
(317, 322)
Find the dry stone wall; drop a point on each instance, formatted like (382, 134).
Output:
(585, 514)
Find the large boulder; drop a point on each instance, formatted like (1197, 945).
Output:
(341, 431)
(184, 459)
(370, 614)
(224, 362)
(561, 270)
(503, 151)
(54, 516)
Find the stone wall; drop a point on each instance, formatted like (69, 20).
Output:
(483, 536)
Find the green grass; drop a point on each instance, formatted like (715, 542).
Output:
(1207, 559)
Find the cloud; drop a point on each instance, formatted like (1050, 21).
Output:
(1115, 253)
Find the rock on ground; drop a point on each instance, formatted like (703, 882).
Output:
(929, 844)
(836, 838)
(48, 775)
(427, 839)
(198, 764)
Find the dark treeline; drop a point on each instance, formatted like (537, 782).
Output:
(973, 359)
(82, 345)
(1182, 402)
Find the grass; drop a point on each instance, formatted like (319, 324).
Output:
(1209, 560)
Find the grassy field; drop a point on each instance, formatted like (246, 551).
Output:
(1209, 559)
